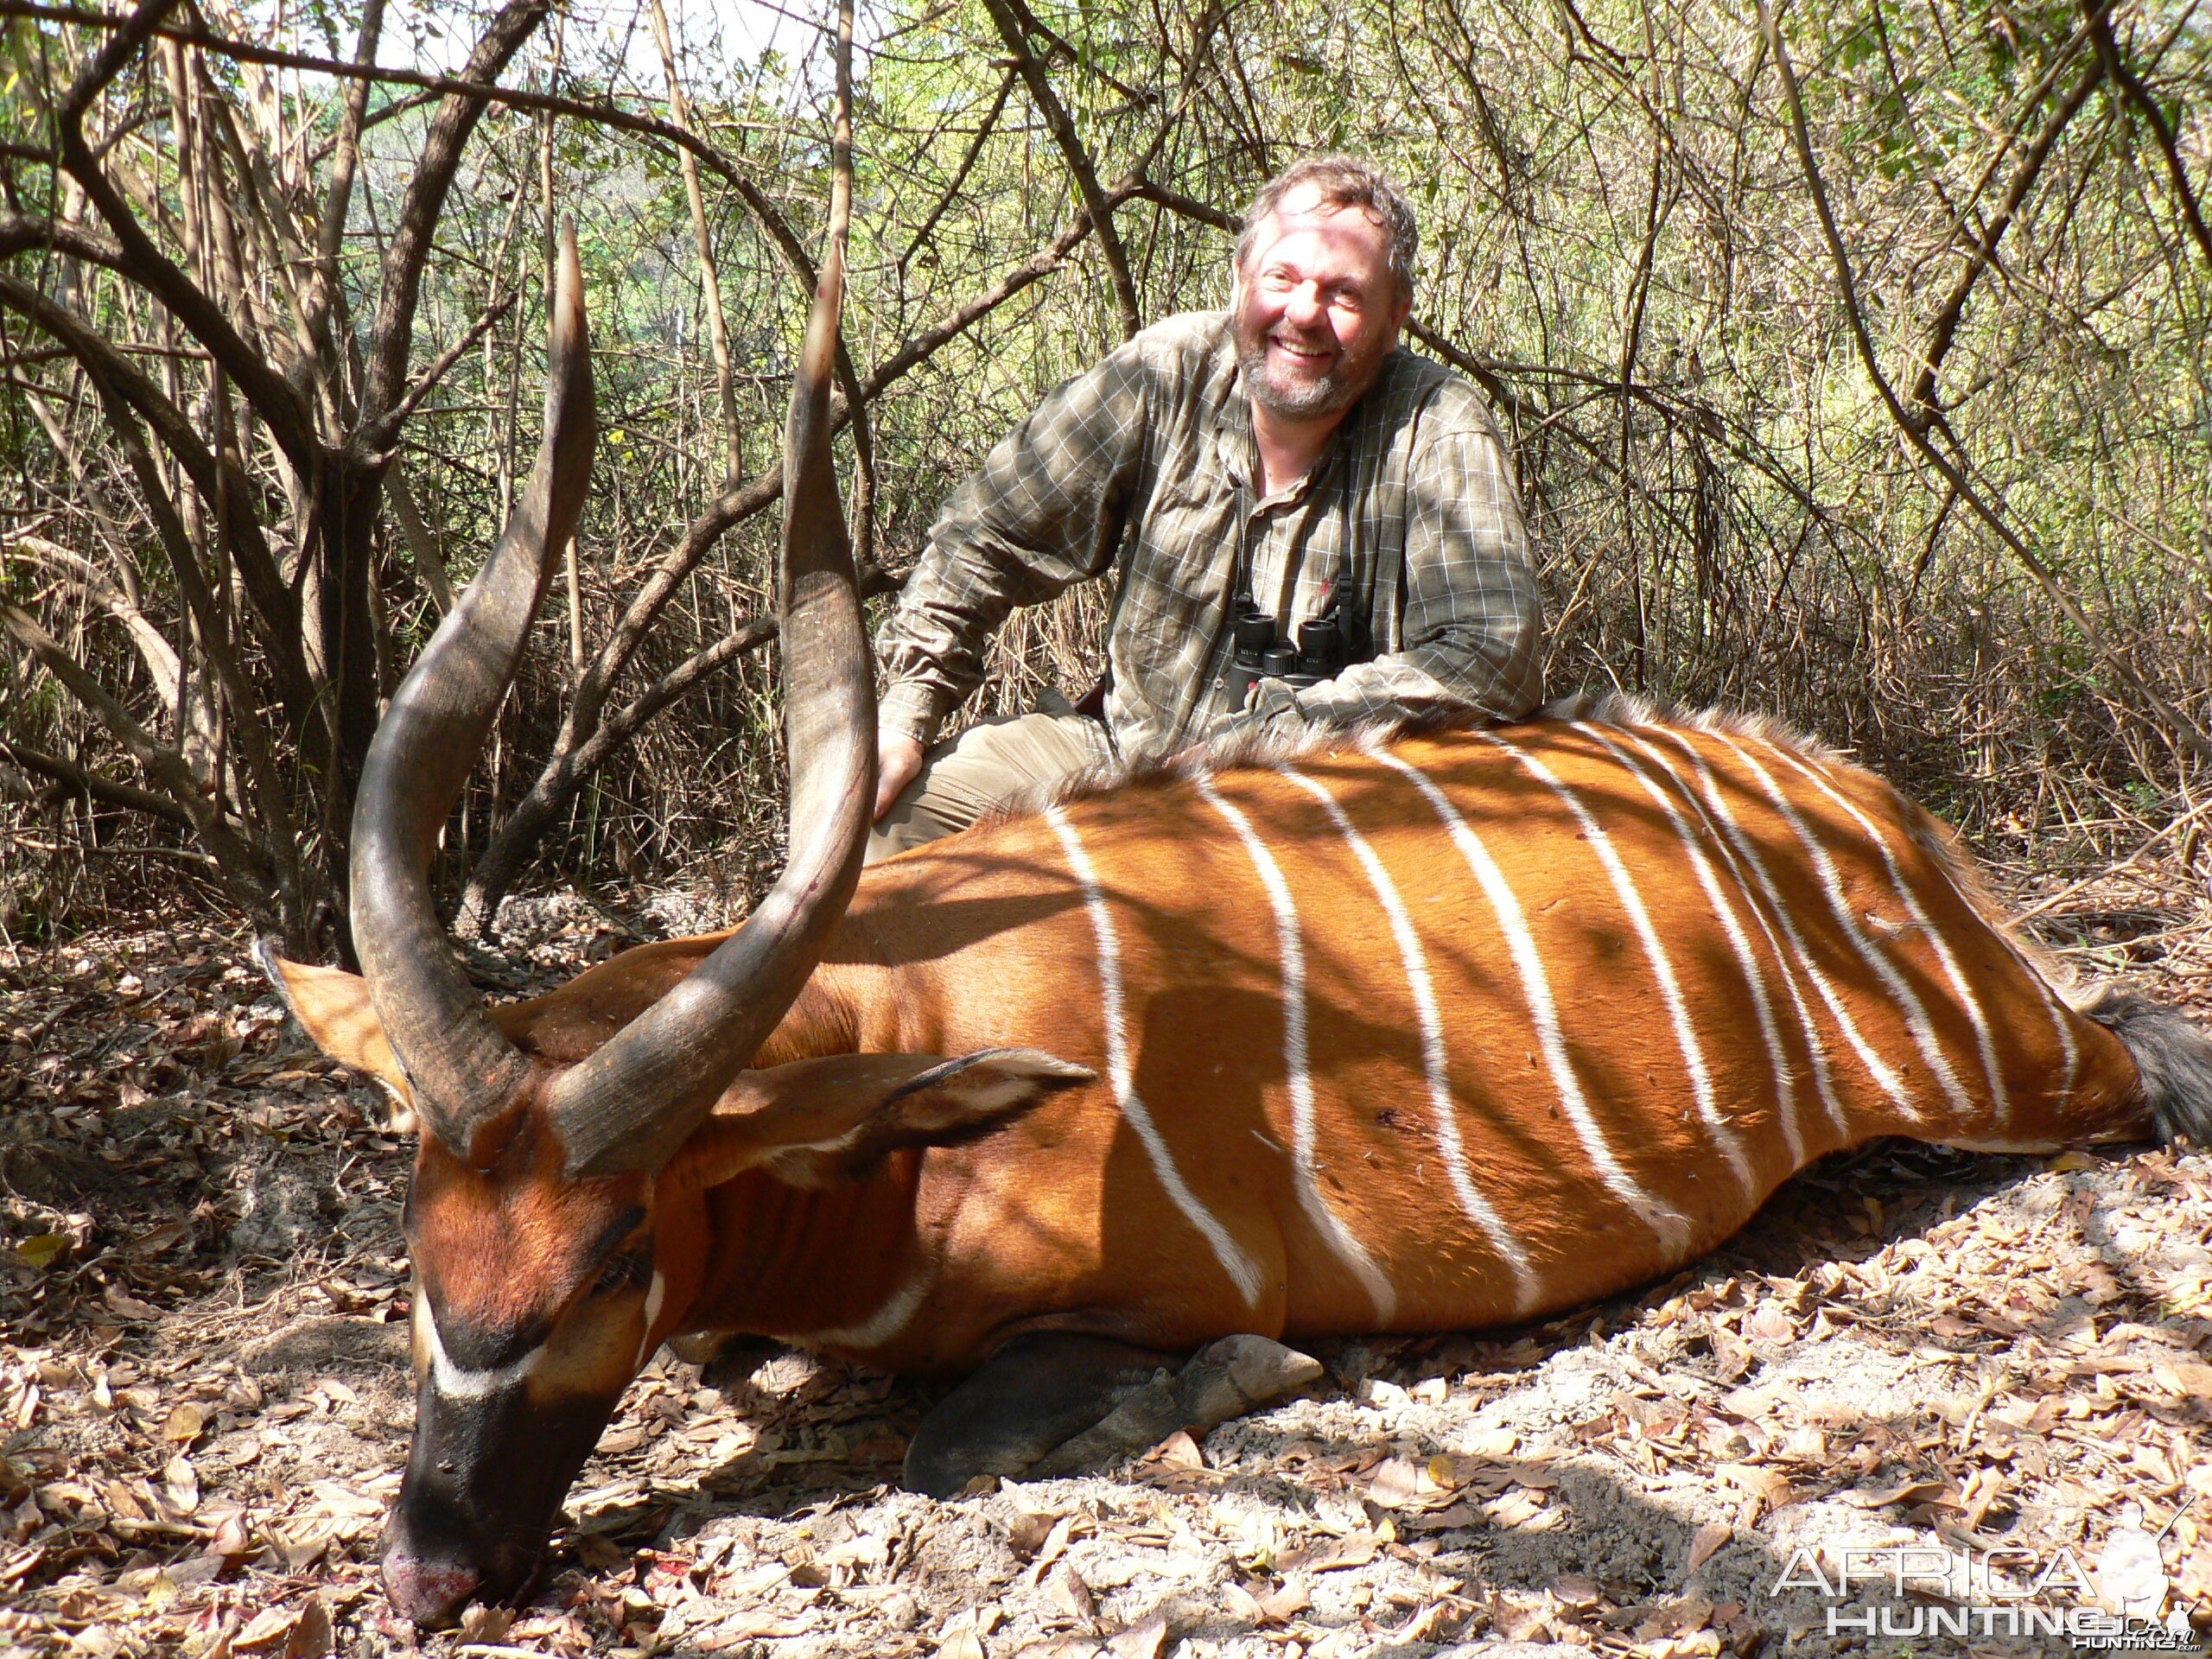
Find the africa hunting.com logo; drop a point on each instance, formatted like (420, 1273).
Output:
(2002, 1593)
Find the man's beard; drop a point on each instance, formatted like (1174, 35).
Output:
(1308, 398)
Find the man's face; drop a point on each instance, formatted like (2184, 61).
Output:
(1316, 308)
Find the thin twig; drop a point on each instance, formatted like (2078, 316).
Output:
(2071, 888)
(426, 381)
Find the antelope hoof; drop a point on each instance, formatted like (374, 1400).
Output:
(1223, 1380)
(1052, 1404)
(1029, 1396)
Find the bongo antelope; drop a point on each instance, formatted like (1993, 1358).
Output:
(1400, 1033)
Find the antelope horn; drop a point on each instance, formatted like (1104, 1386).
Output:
(634, 1101)
(461, 1065)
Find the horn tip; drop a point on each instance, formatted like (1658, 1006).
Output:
(571, 326)
(819, 349)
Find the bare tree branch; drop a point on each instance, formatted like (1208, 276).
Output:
(241, 869)
(114, 378)
(951, 193)
(2178, 724)
(272, 399)
(503, 860)
(80, 781)
(1921, 403)
(31, 233)
(2109, 54)
(538, 810)
(1059, 124)
(409, 242)
(425, 383)
(710, 282)
(338, 198)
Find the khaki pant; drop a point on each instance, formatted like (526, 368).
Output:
(989, 765)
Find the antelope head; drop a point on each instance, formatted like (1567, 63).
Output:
(554, 1218)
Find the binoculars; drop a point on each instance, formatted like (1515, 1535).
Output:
(1258, 651)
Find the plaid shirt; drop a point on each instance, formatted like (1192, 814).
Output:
(1148, 461)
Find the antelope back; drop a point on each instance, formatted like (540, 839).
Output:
(1445, 1031)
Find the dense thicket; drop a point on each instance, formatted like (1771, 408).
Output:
(1854, 356)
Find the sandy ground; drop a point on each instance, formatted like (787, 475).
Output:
(204, 1404)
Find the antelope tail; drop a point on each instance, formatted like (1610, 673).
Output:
(2171, 1052)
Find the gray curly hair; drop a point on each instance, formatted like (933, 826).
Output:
(1343, 181)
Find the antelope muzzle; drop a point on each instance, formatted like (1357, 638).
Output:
(485, 1480)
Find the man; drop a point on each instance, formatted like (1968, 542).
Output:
(1285, 452)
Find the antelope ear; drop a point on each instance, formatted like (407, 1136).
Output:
(816, 1122)
(332, 1008)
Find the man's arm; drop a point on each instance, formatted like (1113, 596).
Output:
(1045, 510)
(1473, 631)
(898, 763)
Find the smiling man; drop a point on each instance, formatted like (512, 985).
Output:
(1283, 462)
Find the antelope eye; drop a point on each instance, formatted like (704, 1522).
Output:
(630, 1268)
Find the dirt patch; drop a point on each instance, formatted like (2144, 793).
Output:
(205, 1402)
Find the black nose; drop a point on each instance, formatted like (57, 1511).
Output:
(431, 1593)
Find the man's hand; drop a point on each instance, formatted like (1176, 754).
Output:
(898, 761)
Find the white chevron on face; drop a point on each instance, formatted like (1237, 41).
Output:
(455, 1382)
(654, 1296)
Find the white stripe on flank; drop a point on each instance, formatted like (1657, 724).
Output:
(1296, 1070)
(1785, 1081)
(1662, 970)
(1915, 1014)
(1984, 1041)
(2062, 1017)
(1815, 1046)
(459, 1382)
(879, 1327)
(2061, 1012)
(1879, 1069)
(1672, 1228)
(1434, 1065)
(1235, 1261)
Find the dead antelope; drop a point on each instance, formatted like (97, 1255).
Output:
(1409, 1032)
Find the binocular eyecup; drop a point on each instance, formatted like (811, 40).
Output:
(1258, 651)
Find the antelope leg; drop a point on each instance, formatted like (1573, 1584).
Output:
(1224, 1379)
(1052, 1404)
(1031, 1395)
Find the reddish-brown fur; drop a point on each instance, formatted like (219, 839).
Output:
(1056, 1221)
